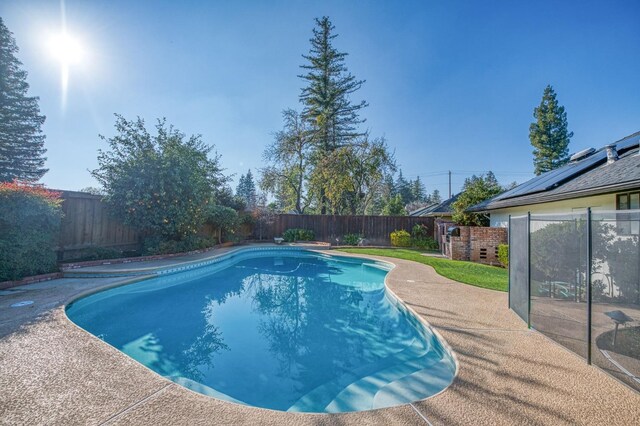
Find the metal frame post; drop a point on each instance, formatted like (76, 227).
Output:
(588, 284)
(529, 269)
(509, 263)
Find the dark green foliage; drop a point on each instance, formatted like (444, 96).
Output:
(329, 86)
(225, 219)
(294, 234)
(246, 190)
(400, 238)
(394, 207)
(435, 197)
(161, 185)
(421, 238)
(475, 190)
(21, 138)
(29, 230)
(549, 134)
(98, 253)
(327, 103)
(351, 239)
(503, 254)
(158, 245)
(404, 188)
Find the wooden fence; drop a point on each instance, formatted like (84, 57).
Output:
(332, 229)
(87, 225)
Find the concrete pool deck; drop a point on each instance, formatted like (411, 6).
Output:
(52, 372)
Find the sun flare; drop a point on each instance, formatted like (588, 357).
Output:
(66, 49)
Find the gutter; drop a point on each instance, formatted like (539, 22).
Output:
(603, 190)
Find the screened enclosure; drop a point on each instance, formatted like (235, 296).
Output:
(576, 279)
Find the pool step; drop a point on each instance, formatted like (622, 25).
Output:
(415, 386)
(323, 395)
(361, 395)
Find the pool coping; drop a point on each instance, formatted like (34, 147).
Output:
(420, 290)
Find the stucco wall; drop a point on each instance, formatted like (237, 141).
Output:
(500, 218)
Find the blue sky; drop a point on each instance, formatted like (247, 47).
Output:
(451, 84)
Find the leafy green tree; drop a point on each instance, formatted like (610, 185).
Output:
(225, 219)
(289, 164)
(382, 196)
(549, 134)
(160, 184)
(394, 207)
(246, 190)
(475, 190)
(21, 137)
(352, 175)
(326, 98)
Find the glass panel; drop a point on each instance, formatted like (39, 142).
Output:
(615, 287)
(518, 264)
(623, 202)
(558, 279)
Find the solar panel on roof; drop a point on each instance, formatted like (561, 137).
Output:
(549, 180)
(553, 178)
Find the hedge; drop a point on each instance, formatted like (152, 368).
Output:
(30, 218)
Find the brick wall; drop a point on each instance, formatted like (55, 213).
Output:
(477, 244)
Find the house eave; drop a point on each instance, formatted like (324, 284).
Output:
(602, 190)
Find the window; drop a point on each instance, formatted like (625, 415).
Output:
(629, 201)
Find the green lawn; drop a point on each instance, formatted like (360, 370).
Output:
(475, 274)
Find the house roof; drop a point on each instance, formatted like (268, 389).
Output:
(585, 177)
(444, 208)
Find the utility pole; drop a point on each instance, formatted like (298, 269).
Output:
(449, 183)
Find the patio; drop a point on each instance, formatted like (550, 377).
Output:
(53, 372)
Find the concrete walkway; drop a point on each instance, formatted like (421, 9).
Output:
(52, 372)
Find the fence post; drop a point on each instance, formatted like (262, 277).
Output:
(529, 269)
(588, 284)
(509, 263)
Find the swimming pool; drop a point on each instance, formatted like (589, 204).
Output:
(288, 330)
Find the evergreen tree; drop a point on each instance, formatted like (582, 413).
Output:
(326, 99)
(246, 190)
(21, 138)
(435, 197)
(549, 134)
(403, 187)
(418, 191)
(394, 207)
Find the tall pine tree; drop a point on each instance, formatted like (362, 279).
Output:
(21, 137)
(246, 190)
(326, 99)
(549, 134)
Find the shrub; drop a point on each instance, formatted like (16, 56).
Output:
(503, 254)
(425, 243)
(225, 219)
(351, 239)
(400, 238)
(99, 253)
(30, 218)
(420, 231)
(160, 184)
(158, 245)
(295, 234)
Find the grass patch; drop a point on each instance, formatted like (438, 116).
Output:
(475, 274)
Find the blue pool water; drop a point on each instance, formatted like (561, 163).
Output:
(285, 330)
